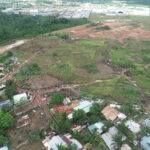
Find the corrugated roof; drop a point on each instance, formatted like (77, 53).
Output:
(110, 113)
(145, 142)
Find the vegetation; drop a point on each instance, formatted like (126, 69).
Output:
(57, 98)
(6, 121)
(36, 135)
(24, 72)
(70, 147)
(79, 117)
(91, 68)
(10, 89)
(24, 26)
(61, 124)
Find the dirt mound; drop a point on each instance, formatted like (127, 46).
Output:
(42, 82)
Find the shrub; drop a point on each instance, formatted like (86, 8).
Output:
(79, 117)
(91, 68)
(57, 98)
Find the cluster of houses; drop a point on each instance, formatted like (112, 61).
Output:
(111, 113)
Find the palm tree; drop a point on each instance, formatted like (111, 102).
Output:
(117, 141)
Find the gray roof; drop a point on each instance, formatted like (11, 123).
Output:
(7, 102)
(145, 142)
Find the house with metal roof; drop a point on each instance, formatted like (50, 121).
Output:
(4, 148)
(125, 147)
(108, 137)
(98, 126)
(19, 98)
(133, 126)
(83, 105)
(4, 103)
(145, 142)
(51, 143)
(112, 114)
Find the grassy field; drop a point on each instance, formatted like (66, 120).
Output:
(75, 61)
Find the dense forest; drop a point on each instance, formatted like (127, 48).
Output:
(24, 26)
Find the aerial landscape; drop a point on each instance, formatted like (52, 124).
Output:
(75, 75)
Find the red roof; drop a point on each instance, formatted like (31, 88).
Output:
(64, 108)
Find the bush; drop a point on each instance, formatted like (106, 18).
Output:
(91, 68)
(79, 117)
(63, 35)
(105, 28)
(57, 98)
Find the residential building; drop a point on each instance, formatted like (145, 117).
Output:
(51, 143)
(20, 98)
(145, 142)
(23, 121)
(4, 103)
(108, 137)
(133, 126)
(83, 105)
(4, 148)
(112, 114)
(64, 108)
(97, 126)
(125, 147)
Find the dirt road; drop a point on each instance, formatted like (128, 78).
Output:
(14, 45)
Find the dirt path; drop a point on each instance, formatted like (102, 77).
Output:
(16, 70)
(14, 45)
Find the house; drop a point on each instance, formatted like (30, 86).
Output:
(4, 148)
(108, 137)
(97, 126)
(67, 101)
(64, 108)
(83, 105)
(51, 143)
(1, 69)
(2, 87)
(112, 114)
(145, 142)
(133, 126)
(4, 103)
(23, 121)
(23, 97)
(125, 147)
(146, 122)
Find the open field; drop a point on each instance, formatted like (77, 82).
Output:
(91, 53)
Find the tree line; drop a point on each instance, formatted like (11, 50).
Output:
(14, 26)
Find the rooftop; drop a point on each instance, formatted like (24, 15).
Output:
(133, 126)
(99, 126)
(145, 142)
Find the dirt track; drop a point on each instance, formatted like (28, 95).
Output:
(14, 45)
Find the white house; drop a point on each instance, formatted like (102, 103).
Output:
(133, 126)
(83, 105)
(97, 126)
(19, 98)
(51, 143)
(108, 137)
(4, 148)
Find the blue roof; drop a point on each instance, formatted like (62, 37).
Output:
(7, 102)
(146, 142)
